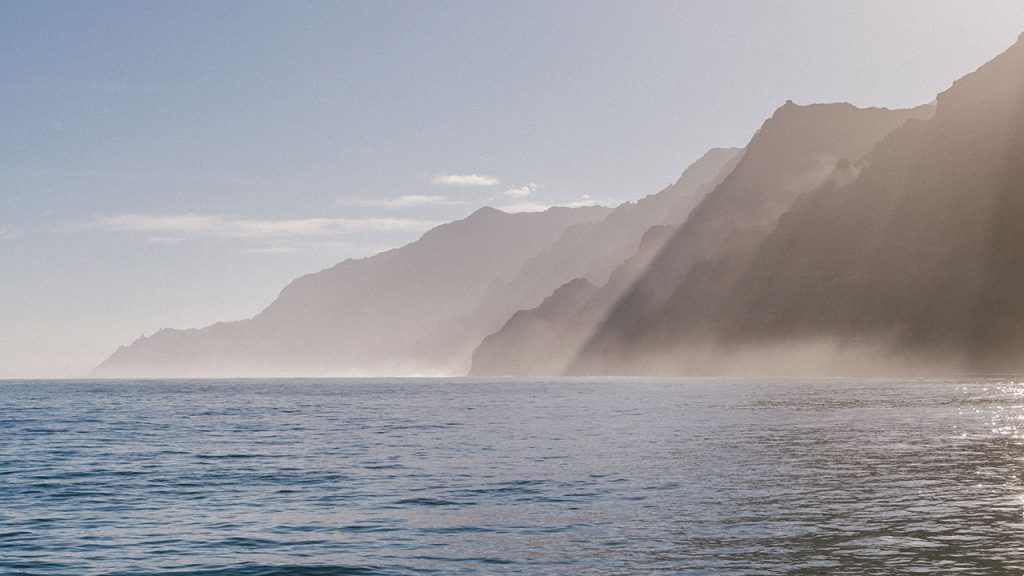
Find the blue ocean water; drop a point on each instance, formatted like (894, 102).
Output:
(617, 476)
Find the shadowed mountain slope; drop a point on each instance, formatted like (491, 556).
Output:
(909, 260)
(545, 339)
(795, 150)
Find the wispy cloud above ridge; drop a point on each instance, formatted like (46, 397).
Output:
(464, 180)
(528, 206)
(522, 191)
(409, 201)
(218, 226)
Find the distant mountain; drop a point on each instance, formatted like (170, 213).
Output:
(909, 260)
(796, 150)
(423, 308)
(367, 316)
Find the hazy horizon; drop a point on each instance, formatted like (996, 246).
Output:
(177, 165)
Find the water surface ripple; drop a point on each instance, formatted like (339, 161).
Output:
(615, 476)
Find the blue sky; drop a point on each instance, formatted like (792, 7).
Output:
(177, 163)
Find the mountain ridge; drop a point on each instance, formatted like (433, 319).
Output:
(795, 148)
(907, 263)
(360, 315)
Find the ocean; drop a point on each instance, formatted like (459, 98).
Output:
(503, 476)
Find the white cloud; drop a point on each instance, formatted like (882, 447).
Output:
(163, 227)
(521, 192)
(8, 235)
(525, 207)
(418, 200)
(409, 201)
(465, 180)
(607, 203)
(585, 200)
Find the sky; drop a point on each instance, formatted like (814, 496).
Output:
(174, 164)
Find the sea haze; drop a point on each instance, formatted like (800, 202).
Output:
(473, 476)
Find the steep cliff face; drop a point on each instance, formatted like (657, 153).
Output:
(366, 316)
(794, 151)
(923, 252)
(910, 259)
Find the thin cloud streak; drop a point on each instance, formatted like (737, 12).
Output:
(217, 226)
(585, 201)
(409, 201)
(465, 180)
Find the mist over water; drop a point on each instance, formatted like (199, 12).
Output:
(596, 476)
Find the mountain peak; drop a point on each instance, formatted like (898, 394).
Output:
(485, 212)
(989, 93)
